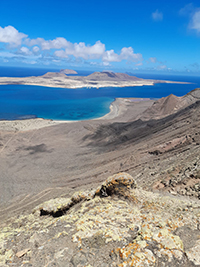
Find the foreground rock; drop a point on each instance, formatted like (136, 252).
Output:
(117, 224)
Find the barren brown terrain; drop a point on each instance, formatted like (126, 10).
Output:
(38, 164)
(148, 217)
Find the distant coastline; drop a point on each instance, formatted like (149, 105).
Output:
(20, 102)
(94, 80)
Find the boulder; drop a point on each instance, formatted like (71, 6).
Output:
(119, 184)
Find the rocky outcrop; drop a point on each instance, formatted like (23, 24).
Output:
(118, 224)
(181, 179)
(119, 185)
(67, 71)
(170, 145)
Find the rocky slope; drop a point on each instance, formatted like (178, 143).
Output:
(164, 152)
(117, 224)
(149, 217)
(170, 104)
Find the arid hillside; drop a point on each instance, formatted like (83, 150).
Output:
(118, 192)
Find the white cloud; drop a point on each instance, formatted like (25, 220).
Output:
(157, 16)
(139, 64)
(80, 50)
(25, 51)
(35, 49)
(106, 64)
(186, 10)
(111, 56)
(56, 60)
(195, 21)
(45, 51)
(194, 15)
(57, 43)
(32, 62)
(126, 53)
(32, 42)
(7, 54)
(162, 67)
(153, 59)
(86, 52)
(12, 36)
(61, 54)
(21, 55)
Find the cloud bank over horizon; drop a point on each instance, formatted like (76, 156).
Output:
(146, 41)
(18, 45)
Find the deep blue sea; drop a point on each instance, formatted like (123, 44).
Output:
(24, 101)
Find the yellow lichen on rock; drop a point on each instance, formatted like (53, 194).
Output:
(138, 228)
(118, 184)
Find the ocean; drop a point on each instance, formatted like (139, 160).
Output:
(25, 101)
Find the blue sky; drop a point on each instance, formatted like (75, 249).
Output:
(128, 35)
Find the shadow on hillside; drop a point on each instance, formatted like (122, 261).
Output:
(111, 136)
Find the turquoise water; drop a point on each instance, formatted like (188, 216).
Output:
(24, 101)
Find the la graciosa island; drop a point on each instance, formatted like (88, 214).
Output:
(94, 80)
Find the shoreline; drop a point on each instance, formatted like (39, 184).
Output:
(79, 83)
(86, 86)
(89, 86)
(117, 108)
(114, 109)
